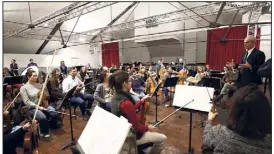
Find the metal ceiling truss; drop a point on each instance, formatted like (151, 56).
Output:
(205, 10)
(76, 9)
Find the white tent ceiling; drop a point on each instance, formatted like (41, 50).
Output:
(17, 13)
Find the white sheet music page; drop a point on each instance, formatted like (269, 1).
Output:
(104, 133)
(201, 95)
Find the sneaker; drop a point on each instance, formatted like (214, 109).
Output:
(47, 135)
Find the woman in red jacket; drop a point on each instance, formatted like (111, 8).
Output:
(124, 105)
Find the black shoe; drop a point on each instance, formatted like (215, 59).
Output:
(88, 112)
(85, 117)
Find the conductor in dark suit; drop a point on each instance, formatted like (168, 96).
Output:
(251, 61)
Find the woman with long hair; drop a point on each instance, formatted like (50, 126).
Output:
(124, 105)
(29, 93)
(249, 125)
(102, 91)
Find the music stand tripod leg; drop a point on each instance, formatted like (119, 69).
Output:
(71, 142)
(156, 110)
(190, 149)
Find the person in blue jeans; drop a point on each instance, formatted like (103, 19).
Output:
(29, 93)
(79, 98)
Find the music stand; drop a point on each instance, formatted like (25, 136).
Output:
(211, 82)
(201, 104)
(66, 98)
(156, 96)
(171, 82)
(12, 80)
(217, 75)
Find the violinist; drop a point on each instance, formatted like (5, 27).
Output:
(79, 97)
(30, 95)
(16, 138)
(55, 83)
(102, 92)
(151, 72)
(138, 86)
(124, 105)
(83, 74)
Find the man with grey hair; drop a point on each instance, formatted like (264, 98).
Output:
(180, 65)
(252, 60)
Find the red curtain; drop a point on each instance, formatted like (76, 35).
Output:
(110, 54)
(258, 38)
(220, 52)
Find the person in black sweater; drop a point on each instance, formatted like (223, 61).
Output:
(14, 139)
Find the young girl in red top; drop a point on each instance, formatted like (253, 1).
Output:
(123, 104)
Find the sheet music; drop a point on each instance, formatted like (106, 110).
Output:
(184, 94)
(104, 133)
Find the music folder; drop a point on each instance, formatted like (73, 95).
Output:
(105, 133)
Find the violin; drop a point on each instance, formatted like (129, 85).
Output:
(45, 98)
(30, 145)
(7, 117)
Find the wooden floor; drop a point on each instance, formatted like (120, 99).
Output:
(175, 128)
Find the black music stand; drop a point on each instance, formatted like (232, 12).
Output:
(211, 82)
(171, 82)
(190, 149)
(12, 80)
(217, 75)
(156, 109)
(68, 95)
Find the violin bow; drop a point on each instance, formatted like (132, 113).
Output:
(9, 105)
(44, 86)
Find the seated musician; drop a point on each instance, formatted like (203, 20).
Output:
(102, 92)
(168, 74)
(16, 138)
(138, 86)
(83, 74)
(79, 97)
(151, 72)
(249, 125)
(123, 104)
(7, 72)
(180, 66)
(230, 82)
(29, 93)
(55, 83)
